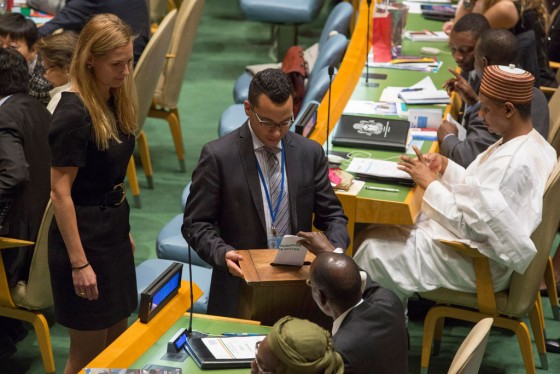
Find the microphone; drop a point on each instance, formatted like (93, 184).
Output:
(367, 39)
(187, 224)
(331, 73)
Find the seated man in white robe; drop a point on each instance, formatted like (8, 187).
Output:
(494, 205)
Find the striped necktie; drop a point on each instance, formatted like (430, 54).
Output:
(281, 222)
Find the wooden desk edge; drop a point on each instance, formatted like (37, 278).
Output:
(128, 347)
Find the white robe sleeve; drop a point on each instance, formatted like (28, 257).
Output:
(496, 209)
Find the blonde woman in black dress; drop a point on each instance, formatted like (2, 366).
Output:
(92, 138)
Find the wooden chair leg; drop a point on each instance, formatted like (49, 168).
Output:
(540, 312)
(550, 281)
(520, 329)
(133, 182)
(537, 325)
(142, 141)
(438, 334)
(41, 329)
(172, 118)
(432, 323)
(175, 127)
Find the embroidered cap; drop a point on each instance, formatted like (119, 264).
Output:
(507, 83)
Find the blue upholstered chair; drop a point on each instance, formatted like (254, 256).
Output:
(150, 269)
(338, 20)
(332, 53)
(171, 246)
(286, 14)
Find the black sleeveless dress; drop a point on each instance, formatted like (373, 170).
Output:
(104, 229)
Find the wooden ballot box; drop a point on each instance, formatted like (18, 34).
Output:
(272, 292)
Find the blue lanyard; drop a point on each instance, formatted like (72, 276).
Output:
(273, 212)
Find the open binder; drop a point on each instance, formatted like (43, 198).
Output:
(223, 352)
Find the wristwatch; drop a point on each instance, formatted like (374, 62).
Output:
(467, 4)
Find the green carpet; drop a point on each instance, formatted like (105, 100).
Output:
(225, 44)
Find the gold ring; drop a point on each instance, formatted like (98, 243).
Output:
(82, 294)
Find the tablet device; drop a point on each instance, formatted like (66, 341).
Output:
(305, 124)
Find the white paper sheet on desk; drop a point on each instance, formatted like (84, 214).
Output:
(378, 168)
(462, 132)
(290, 251)
(372, 107)
(239, 347)
(391, 94)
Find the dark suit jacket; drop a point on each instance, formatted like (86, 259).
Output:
(372, 338)
(479, 139)
(76, 13)
(24, 176)
(227, 212)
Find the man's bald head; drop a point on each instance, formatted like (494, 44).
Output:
(338, 277)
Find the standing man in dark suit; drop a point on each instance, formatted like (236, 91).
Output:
(369, 329)
(76, 13)
(24, 176)
(255, 185)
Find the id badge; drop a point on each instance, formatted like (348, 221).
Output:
(274, 242)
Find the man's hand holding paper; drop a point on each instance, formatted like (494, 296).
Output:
(422, 169)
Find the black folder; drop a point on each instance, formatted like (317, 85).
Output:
(371, 132)
(206, 360)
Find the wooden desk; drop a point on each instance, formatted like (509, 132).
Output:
(128, 347)
(144, 344)
(272, 292)
(377, 206)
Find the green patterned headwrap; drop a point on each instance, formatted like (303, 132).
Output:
(303, 347)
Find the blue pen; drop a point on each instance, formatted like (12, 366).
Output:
(411, 89)
(240, 334)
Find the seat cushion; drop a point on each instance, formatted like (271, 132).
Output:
(150, 269)
(171, 245)
(232, 118)
(241, 87)
(285, 11)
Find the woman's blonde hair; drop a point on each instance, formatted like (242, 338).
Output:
(100, 36)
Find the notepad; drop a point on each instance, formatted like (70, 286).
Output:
(425, 97)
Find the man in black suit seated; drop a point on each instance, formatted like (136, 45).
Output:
(76, 13)
(369, 329)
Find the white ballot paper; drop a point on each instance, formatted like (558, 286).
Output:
(462, 132)
(290, 252)
(242, 347)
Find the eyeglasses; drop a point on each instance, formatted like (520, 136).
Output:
(260, 370)
(271, 124)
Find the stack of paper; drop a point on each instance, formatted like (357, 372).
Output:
(424, 92)
(422, 96)
(426, 64)
(426, 36)
(379, 171)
